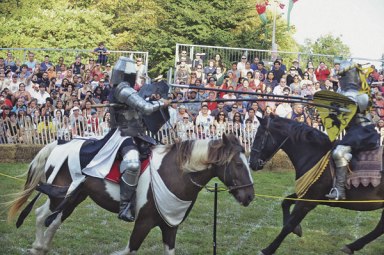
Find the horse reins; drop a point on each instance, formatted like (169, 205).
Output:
(262, 144)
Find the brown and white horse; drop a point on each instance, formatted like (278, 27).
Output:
(184, 168)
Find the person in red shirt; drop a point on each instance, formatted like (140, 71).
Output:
(322, 72)
(212, 105)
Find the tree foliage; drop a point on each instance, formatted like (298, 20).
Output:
(327, 44)
(151, 25)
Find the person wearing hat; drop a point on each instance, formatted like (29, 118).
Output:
(295, 63)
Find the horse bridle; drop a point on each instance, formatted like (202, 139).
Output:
(230, 188)
(259, 149)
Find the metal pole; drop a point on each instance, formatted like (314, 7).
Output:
(214, 220)
(274, 48)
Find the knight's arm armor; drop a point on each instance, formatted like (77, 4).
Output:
(350, 84)
(129, 96)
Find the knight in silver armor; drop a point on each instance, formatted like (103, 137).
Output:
(360, 132)
(128, 119)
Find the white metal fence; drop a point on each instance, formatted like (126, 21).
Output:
(21, 54)
(229, 55)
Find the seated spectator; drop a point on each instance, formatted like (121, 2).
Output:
(45, 80)
(295, 85)
(270, 81)
(22, 93)
(229, 95)
(182, 112)
(251, 117)
(14, 83)
(20, 105)
(102, 54)
(183, 127)
(197, 61)
(77, 122)
(220, 122)
(278, 90)
(204, 119)
(241, 65)
(105, 125)
(298, 114)
(41, 95)
(277, 70)
(210, 68)
(48, 109)
(13, 129)
(246, 69)
(182, 74)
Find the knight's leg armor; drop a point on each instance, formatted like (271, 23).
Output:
(130, 169)
(341, 155)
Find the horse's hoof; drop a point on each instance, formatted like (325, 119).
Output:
(346, 250)
(33, 251)
(298, 231)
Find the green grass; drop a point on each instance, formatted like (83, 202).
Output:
(92, 230)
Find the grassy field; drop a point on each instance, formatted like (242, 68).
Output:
(91, 230)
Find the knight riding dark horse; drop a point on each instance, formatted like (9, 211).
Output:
(360, 131)
(128, 120)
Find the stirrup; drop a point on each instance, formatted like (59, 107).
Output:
(127, 214)
(330, 194)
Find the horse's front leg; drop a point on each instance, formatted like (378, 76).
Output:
(38, 246)
(286, 207)
(361, 242)
(299, 212)
(169, 239)
(140, 231)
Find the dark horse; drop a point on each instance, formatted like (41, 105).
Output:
(305, 146)
(184, 168)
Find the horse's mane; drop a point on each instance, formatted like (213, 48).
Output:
(198, 155)
(300, 132)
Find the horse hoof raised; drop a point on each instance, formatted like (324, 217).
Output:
(346, 250)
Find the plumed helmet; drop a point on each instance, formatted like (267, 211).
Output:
(124, 70)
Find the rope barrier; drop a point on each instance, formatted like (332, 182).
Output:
(221, 189)
(12, 177)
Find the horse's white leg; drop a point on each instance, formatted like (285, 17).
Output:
(125, 251)
(51, 231)
(41, 214)
(168, 251)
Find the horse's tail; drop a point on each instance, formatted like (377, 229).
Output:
(36, 174)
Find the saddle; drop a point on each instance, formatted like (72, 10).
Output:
(366, 168)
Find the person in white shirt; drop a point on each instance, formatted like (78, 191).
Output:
(41, 95)
(241, 64)
(278, 90)
(204, 119)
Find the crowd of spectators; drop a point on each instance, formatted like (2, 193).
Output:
(43, 101)
(253, 75)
